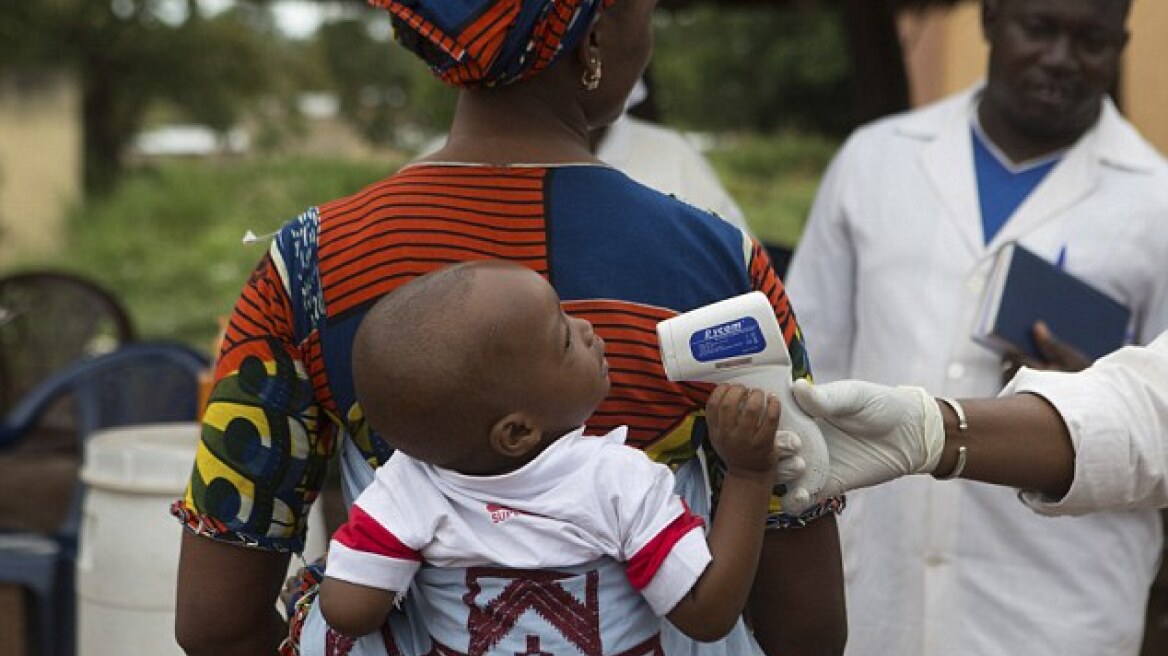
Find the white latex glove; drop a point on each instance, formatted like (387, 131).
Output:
(791, 464)
(874, 433)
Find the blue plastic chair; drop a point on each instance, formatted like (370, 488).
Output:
(139, 383)
(49, 320)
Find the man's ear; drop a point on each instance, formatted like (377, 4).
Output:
(515, 435)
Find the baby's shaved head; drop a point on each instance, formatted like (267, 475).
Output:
(421, 372)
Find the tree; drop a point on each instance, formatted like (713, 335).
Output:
(879, 78)
(130, 55)
(753, 68)
(877, 75)
(387, 93)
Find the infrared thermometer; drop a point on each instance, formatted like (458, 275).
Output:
(738, 341)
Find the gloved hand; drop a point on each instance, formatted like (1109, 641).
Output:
(791, 464)
(874, 433)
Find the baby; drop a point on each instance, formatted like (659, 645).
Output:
(482, 384)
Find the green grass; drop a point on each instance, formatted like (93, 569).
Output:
(167, 239)
(774, 179)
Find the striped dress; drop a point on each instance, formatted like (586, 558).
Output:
(619, 254)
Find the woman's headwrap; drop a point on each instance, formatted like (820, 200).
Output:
(471, 43)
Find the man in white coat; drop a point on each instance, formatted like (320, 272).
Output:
(887, 280)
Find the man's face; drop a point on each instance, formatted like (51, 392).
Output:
(1051, 62)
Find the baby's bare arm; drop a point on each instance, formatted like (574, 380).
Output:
(352, 609)
(742, 427)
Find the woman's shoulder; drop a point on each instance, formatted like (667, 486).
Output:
(614, 191)
(614, 181)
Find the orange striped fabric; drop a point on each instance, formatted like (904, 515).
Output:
(764, 279)
(641, 397)
(262, 309)
(426, 218)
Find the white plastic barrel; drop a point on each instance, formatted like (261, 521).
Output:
(127, 562)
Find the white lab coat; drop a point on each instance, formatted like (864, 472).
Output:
(661, 158)
(886, 282)
(1117, 413)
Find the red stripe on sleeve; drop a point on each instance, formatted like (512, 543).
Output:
(363, 533)
(643, 566)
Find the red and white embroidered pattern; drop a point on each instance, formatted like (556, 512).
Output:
(568, 618)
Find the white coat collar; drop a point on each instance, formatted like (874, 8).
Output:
(1114, 140)
(947, 160)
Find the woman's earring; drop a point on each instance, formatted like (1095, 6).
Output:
(591, 78)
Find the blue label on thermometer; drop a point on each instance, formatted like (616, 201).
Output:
(731, 339)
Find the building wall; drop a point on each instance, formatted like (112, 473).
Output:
(1145, 82)
(40, 161)
(945, 52)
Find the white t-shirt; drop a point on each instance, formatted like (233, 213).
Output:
(583, 498)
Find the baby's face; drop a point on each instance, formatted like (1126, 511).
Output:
(563, 368)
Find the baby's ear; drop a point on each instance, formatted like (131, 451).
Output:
(515, 435)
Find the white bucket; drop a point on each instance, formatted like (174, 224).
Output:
(127, 562)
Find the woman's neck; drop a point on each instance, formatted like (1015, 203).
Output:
(523, 123)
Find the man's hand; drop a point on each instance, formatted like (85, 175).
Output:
(1056, 355)
(874, 433)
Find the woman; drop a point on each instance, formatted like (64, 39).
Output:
(516, 180)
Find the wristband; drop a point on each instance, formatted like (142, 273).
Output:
(962, 426)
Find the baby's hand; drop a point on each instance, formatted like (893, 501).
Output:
(742, 425)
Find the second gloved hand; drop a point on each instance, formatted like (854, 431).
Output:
(874, 433)
(791, 464)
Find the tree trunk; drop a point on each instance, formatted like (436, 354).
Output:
(880, 82)
(103, 144)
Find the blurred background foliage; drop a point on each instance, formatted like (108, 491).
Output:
(172, 59)
(167, 239)
(766, 89)
(753, 68)
(134, 55)
(386, 93)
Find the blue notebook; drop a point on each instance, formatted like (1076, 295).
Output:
(1024, 288)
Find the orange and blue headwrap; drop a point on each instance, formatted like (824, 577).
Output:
(471, 43)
